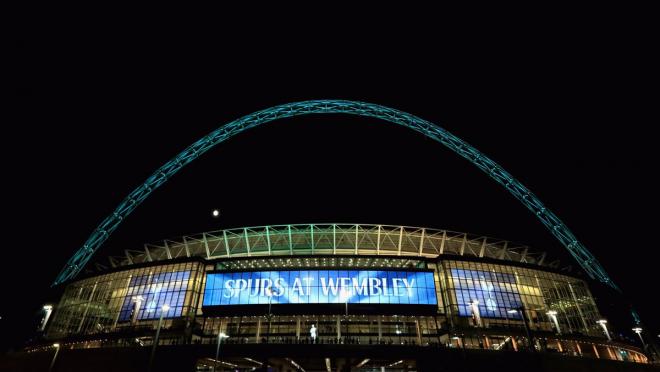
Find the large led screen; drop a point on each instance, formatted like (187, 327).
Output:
(320, 287)
(496, 293)
(147, 294)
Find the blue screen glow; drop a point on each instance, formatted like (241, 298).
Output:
(496, 292)
(320, 287)
(148, 293)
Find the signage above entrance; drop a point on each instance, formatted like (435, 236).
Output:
(320, 287)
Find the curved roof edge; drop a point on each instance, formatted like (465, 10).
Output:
(329, 238)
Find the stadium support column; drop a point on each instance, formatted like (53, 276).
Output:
(514, 343)
(522, 311)
(91, 296)
(124, 291)
(437, 329)
(380, 328)
(579, 309)
(297, 328)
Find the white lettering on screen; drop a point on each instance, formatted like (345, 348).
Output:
(329, 287)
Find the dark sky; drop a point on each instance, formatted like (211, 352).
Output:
(570, 115)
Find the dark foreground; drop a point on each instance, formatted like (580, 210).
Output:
(309, 357)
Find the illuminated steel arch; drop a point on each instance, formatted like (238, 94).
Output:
(520, 192)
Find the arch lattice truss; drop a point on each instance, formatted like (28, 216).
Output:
(158, 178)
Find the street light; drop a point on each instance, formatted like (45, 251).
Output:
(521, 310)
(553, 315)
(638, 330)
(163, 310)
(48, 310)
(52, 362)
(215, 213)
(603, 324)
(221, 335)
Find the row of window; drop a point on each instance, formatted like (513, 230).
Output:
(140, 294)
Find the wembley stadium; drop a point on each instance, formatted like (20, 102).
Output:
(329, 296)
(357, 285)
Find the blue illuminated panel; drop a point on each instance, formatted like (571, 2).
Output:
(496, 292)
(320, 287)
(148, 293)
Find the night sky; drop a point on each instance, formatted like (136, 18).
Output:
(96, 113)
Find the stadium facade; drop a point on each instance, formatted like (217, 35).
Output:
(335, 285)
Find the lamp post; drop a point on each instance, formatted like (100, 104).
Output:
(52, 362)
(163, 310)
(221, 335)
(553, 315)
(521, 310)
(603, 324)
(638, 330)
(48, 310)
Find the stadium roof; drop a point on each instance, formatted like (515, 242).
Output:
(329, 238)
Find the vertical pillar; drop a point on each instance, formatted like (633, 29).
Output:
(124, 291)
(298, 328)
(596, 351)
(617, 352)
(561, 349)
(568, 321)
(579, 349)
(446, 285)
(514, 343)
(91, 295)
(577, 305)
(486, 342)
(380, 329)
(338, 327)
(610, 353)
(419, 333)
(258, 334)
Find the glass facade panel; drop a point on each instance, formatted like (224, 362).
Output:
(501, 289)
(128, 298)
